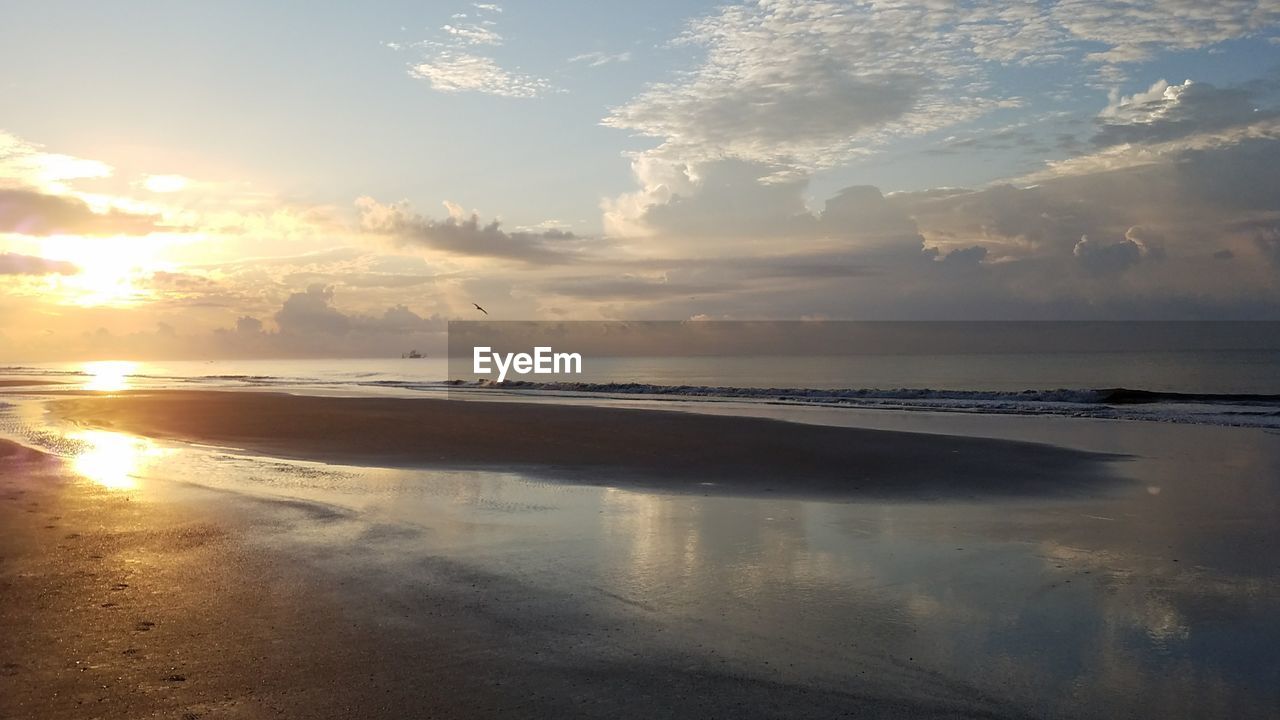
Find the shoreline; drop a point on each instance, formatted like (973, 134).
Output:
(654, 449)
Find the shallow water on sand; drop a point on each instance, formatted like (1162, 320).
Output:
(1159, 598)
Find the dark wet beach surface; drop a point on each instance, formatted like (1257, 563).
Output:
(1154, 596)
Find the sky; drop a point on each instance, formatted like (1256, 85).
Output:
(295, 179)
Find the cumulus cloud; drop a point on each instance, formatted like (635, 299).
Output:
(972, 255)
(30, 212)
(1144, 240)
(1167, 112)
(311, 312)
(15, 264)
(462, 234)
(309, 322)
(1110, 257)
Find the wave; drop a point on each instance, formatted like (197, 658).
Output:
(1253, 410)
(1105, 396)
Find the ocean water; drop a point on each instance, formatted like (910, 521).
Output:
(1203, 386)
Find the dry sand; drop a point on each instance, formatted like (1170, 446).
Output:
(645, 448)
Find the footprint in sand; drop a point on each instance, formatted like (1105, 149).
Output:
(144, 626)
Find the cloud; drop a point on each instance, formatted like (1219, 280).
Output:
(719, 199)
(597, 58)
(28, 164)
(308, 320)
(308, 324)
(470, 34)
(625, 287)
(1267, 240)
(809, 85)
(30, 212)
(795, 84)
(726, 199)
(450, 65)
(1168, 112)
(1135, 30)
(453, 72)
(1142, 240)
(310, 312)
(1110, 257)
(972, 255)
(15, 264)
(462, 234)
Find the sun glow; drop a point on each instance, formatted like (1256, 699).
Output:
(112, 271)
(109, 375)
(112, 459)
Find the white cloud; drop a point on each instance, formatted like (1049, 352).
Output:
(596, 59)
(810, 85)
(26, 163)
(473, 34)
(1134, 30)
(449, 65)
(463, 72)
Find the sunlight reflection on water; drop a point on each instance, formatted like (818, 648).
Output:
(109, 375)
(112, 459)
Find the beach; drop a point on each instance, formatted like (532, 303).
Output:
(638, 447)
(236, 554)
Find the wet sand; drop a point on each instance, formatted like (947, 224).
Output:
(607, 446)
(119, 607)
(221, 585)
(206, 605)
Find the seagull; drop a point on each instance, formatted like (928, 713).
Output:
(486, 312)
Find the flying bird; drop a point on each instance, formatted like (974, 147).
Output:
(486, 312)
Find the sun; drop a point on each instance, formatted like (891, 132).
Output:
(111, 269)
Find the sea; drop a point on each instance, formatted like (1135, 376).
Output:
(1213, 374)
